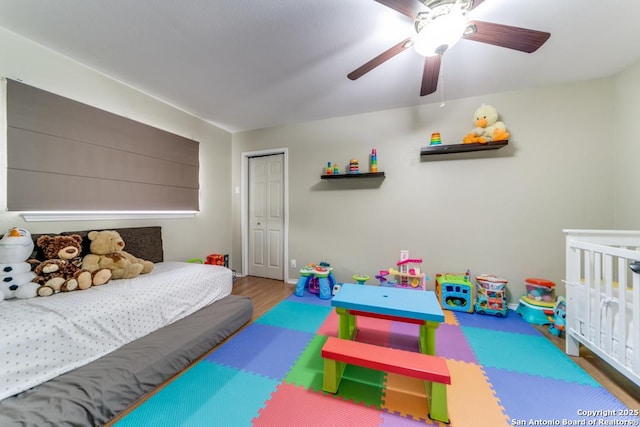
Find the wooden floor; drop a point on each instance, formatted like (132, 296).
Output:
(267, 293)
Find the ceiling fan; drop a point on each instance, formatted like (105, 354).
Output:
(440, 24)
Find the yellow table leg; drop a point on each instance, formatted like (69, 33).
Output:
(437, 400)
(332, 375)
(347, 324)
(428, 337)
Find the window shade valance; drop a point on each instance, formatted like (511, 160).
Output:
(63, 155)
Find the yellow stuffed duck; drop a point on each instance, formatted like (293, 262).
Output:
(487, 127)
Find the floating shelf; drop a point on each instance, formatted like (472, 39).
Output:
(461, 148)
(354, 175)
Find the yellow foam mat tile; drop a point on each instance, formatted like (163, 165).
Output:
(405, 396)
(450, 318)
(471, 400)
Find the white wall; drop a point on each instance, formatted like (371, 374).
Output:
(499, 212)
(625, 137)
(183, 239)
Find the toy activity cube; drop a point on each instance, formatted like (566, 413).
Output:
(455, 292)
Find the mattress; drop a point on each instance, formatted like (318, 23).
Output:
(45, 337)
(94, 394)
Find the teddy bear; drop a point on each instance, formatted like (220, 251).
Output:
(487, 127)
(16, 277)
(62, 269)
(107, 251)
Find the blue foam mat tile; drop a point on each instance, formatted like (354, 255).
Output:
(534, 355)
(296, 316)
(530, 397)
(511, 323)
(207, 394)
(262, 349)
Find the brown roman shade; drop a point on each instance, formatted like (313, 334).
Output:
(63, 155)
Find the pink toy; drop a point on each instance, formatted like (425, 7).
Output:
(408, 273)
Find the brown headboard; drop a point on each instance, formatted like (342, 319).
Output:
(142, 242)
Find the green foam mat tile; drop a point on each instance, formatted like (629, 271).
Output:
(362, 385)
(358, 384)
(308, 368)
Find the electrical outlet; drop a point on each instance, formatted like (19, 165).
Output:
(293, 263)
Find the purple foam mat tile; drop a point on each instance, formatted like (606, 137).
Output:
(511, 323)
(263, 349)
(404, 336)
(395, 420)
(451, 343)
(558, 400)
(405, 328)
(309, 298)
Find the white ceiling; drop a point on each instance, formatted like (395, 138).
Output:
(249, 64)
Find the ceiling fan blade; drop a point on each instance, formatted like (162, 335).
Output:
(383, 57)
(409, 8)
(430, 74)
(517, 38)
(475, 4)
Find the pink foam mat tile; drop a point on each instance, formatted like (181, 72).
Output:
(295, 406)
(329, 327)
(373, 331)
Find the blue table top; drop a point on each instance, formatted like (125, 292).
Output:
(409, 303)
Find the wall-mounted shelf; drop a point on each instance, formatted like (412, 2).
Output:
(461, 148)
(354, 175)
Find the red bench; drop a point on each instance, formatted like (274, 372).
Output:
(337, 353)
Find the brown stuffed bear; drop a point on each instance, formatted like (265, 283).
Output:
(62, 271)
(107, 252)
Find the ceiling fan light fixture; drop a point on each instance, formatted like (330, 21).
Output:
(440, 34)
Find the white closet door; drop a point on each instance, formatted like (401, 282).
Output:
(266, 216)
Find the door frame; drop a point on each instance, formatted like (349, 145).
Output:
(244, 207)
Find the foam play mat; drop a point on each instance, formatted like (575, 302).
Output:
(504, 372)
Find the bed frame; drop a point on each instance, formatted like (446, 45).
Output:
(603, 297)
(96, 393)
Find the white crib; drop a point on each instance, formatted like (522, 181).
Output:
(603, 297)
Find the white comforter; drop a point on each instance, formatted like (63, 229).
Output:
(44, 337)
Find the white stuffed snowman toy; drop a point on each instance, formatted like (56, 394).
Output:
(16, 276)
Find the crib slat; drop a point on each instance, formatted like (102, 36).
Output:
(634, 331)
(622, 309)
(596, 279)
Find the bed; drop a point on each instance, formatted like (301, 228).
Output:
(89, 355)
(603, 297)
